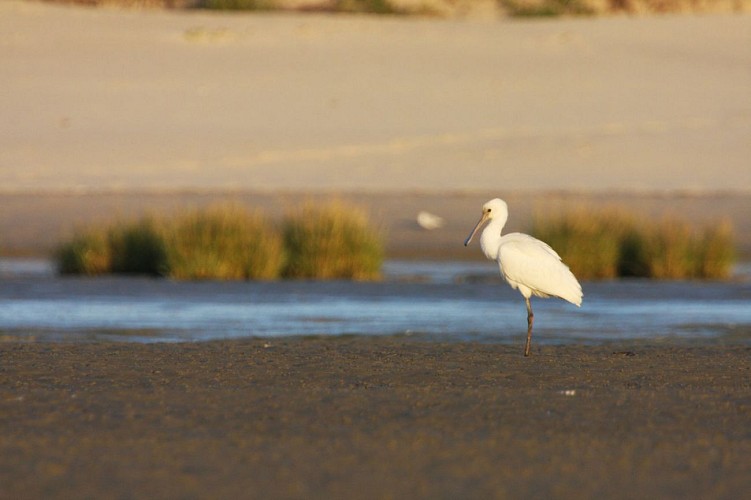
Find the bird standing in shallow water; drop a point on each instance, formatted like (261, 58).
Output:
(526, 263)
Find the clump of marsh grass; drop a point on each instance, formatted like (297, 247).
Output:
(671, 250)
(137, 248)
(344, 6)
(87, 253)
(717, 251)
(547, 8)
(366, 7)
(229, 243)
(553, 8)
(676, 251)
(590, 245)
(126, 248)
(331, 242)
(612, 244)
(226, 243)
(252, 5)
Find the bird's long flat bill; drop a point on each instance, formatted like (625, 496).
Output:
(476, 228)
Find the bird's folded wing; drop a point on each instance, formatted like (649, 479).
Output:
(528, 262)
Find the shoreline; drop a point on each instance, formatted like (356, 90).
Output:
(34, 223)
(373, 418)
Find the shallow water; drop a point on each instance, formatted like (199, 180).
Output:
(441, 300)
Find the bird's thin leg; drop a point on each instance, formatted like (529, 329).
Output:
(530, 321)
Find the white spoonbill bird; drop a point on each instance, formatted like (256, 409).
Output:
(526, 263)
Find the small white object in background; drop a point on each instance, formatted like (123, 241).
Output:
(429, 221)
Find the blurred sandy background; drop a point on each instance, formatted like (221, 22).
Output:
(103, 101)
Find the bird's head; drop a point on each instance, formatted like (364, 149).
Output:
(494, 209)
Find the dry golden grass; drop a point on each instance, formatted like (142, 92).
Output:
(229, 243)
(613, 243)
(224, 242)
(332, 242)
(87, 253)
(125, 248)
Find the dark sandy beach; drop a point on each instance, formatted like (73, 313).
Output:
(374, 418)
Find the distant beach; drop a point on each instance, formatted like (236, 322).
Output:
(185, 100)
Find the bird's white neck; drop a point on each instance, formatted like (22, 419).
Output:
(490, 240)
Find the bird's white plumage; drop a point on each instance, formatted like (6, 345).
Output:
(526, 263)
(532, 267)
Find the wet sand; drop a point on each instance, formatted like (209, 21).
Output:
(374, 418)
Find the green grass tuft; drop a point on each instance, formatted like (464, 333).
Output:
(613, 244)
(223, 243)
(342, 6)
(717, 251)
(332, 242)
(677, 252)
(137, 248)
(547, 8)
(590, 246)
(366, 7)
(229, 243)
(87, 253)
(251, 5)
(124, 248)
